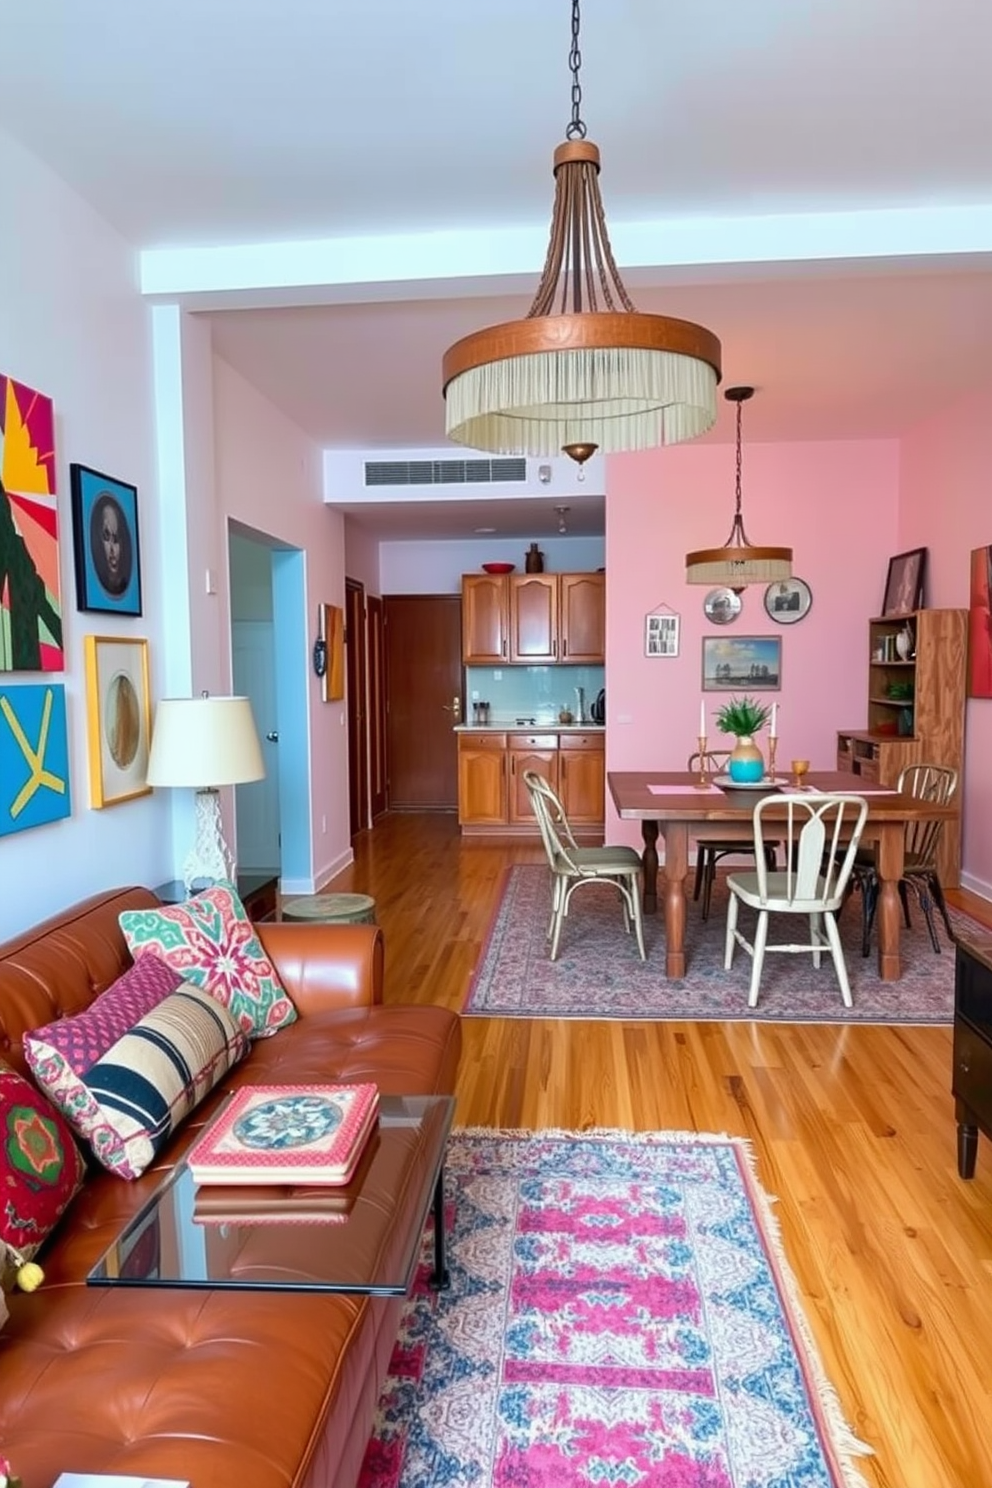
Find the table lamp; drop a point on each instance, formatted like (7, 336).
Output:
(203, 743)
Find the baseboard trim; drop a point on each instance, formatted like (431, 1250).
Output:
(324, 875)
(977, 886)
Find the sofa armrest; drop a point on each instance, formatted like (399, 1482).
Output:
(325, 966)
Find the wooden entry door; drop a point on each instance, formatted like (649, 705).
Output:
(377, 704)
(423, 680)
(358, 750)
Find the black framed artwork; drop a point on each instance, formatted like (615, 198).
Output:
(105, 542)
(788, 600)
(904, 583)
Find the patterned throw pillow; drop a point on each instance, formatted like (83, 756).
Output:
(41, 1168)
(129, 1102)
(210, 940)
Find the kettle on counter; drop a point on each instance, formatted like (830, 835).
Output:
(598, 710)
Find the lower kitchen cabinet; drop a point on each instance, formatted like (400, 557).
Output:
(492, 795)
(482, 779)
(582, 779)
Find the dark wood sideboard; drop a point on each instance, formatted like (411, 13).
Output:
(972, 1083)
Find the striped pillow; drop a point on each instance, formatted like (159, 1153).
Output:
(131, 1100)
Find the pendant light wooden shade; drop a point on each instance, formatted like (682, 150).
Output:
(584, 366)
(738, 563)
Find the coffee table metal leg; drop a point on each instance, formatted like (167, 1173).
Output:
(439, 1278)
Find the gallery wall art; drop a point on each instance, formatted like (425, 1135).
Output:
(980, 624)
(105, 542)
(118, 718)
(34, 756)
(30, 588)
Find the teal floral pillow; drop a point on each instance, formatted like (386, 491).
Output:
(210, 941)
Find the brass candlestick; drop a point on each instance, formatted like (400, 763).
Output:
(702, 782)
(772, 746)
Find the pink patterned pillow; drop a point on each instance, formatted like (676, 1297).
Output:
(81, 1040)
(210, 941)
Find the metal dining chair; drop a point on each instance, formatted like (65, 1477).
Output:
(924, 782)
(572, 865)
(821, 836)
(709, 850)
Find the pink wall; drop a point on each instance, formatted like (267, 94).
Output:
(836, 504)
(946, 506)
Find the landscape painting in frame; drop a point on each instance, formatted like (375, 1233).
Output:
(980, 624)
(30, 589)
(742, 664)
(34, 756)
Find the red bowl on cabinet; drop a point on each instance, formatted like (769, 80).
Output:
(498, 568)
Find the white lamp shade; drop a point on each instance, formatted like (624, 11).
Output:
(204, 742)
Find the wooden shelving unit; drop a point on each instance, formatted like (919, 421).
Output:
(915, 709)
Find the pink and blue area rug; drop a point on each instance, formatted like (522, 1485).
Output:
(619, 1314)
(599, 974)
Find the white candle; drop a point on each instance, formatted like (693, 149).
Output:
(773, 731)
(702, 719)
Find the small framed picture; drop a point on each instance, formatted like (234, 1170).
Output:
(118, 718)
(751, 663)
(722, 606)
(105, 542)
(904, 583)
(661, 635)
(788, 601)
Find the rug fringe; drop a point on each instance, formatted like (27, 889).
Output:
(845, 1445)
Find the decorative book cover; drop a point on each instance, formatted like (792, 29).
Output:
(287, 1134)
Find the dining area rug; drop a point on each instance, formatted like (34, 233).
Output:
(599, 974)
(620, 1312)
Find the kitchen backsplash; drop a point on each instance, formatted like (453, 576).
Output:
(538, 692)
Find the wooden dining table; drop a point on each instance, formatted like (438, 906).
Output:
(674, 806)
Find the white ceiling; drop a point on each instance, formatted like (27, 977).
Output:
(238, 121)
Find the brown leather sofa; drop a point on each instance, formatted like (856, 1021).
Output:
(223, 1389)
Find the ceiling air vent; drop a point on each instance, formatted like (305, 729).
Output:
(443, 472)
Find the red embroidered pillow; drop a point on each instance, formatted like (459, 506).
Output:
(210, 941)
(41, 1168)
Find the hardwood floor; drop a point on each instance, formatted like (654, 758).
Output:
(852, 1128)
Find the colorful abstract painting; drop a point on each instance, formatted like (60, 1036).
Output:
(34, 756)
(30, 592)
(980, 625)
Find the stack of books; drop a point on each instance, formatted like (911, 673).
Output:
(287, 1134)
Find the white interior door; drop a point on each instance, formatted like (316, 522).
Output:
(257, 804)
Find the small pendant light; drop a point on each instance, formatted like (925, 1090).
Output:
(738, 563)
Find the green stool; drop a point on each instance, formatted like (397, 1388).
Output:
(332, 909)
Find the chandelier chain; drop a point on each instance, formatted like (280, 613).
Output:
(739, 461)
(576, 129)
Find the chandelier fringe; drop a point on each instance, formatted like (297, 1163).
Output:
(620, 398)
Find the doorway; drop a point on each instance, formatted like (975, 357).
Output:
(423, 649)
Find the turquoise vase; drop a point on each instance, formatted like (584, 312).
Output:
(746, 762)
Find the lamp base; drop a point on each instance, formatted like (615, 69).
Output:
(209, 859)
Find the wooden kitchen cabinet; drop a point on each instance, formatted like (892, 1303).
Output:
(537, 752)
(492, 796)
(582, 617)
(482, 779)
(485, 618)
(534, 619)
(582, 779)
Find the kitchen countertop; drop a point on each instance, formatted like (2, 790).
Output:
(514, 727)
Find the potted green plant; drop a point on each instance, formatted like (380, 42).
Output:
(743, 717)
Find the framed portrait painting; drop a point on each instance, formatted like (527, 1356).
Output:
(788, 601)
(904, 583)
(747, 663)
(105, 543)
(118, 718)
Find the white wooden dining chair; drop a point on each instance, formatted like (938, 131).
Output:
(572, 865)
(820, 835)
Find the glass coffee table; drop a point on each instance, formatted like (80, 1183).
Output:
(363, 1237)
